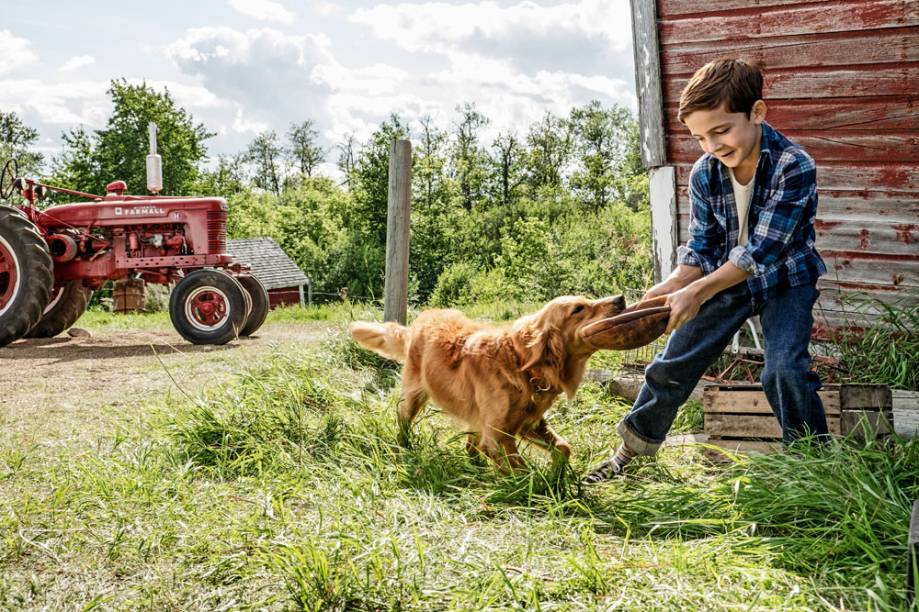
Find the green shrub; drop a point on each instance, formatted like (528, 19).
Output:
(454, 285)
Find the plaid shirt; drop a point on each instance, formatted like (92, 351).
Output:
(780, 249)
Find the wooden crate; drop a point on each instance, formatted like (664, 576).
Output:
(128, 295)
(738, 417)
(906, 413)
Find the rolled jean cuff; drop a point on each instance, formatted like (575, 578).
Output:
(639, 444)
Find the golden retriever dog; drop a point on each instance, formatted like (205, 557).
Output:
(498, 381)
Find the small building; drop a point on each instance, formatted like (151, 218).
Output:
(841, 79)
(286, 283)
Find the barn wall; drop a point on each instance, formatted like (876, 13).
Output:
(286, 296)
(842, 79)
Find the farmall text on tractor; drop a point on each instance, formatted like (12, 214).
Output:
(51, 260)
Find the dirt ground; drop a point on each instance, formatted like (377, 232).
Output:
(75, 391)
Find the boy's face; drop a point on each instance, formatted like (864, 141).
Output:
(734, 138)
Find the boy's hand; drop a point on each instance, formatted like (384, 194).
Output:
(661, 288)
(684, 306)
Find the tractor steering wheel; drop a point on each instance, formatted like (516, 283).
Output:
(10, 169)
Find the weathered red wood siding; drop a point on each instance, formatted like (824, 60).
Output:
(842, 79)
(285, 296)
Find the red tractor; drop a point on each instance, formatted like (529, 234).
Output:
(51, 260)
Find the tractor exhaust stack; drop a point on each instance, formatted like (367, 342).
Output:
(154, 164)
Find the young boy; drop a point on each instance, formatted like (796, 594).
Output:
(751, 251)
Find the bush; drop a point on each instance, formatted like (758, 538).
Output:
(454, 285)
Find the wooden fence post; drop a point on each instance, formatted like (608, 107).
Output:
(398, 221)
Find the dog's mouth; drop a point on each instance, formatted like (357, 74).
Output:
(631, 327)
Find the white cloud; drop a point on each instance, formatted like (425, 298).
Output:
(433, 26)
(69, 104)
(588, 36)
(274, 77)
(60, 104)
(264, 10)
(77, 61)
(15, 51)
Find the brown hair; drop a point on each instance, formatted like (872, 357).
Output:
(734, 82)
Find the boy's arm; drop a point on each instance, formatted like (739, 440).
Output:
(686, 302)
(682, 276)
(706, 236)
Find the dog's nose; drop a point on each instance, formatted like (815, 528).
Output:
(619, 302)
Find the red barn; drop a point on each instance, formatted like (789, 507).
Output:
(285, 281)
(842, 79)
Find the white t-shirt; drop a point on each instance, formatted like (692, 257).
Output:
(742, 196)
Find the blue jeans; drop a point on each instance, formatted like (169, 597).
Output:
(790, 386)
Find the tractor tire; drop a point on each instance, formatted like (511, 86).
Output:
(26, 275)
(260, 306)
(68, 303)
(208, 307)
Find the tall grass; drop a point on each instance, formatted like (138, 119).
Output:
(286, 490)
(885, 351)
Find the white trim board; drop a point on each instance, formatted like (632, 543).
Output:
(664, 223)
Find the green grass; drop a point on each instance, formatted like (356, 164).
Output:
(105, 320)
(286, 490)
(886, 351)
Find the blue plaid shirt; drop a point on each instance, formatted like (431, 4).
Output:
(780, 249)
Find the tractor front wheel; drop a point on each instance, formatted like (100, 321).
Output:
(208, 307)
(259, 298)
(26, 275)
(68, 303)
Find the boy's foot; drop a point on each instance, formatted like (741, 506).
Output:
(612, 467)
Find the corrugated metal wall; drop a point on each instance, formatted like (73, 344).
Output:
(842, 79)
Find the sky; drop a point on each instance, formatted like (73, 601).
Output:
(245, 66)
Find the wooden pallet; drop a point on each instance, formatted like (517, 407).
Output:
(738, 417)
(906, 413)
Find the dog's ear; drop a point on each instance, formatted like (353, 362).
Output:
(572, 375)
(543, 344)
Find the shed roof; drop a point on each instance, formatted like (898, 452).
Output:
(270, 264)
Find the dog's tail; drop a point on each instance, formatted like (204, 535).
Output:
(387, 339)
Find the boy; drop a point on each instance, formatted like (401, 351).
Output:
(751, 251)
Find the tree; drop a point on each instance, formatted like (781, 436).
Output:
(434, 211)
(469, 160)
(228, 178)
(602, 142)
(304, 151)
(507, 173)
(119, 151)
(549, 142)
(428, 166)
(346, 155)
(264, 154)
(78, 166)
(16, 142)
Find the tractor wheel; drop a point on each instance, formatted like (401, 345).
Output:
(208, 307)
(259, 297)
(26, 275)
(68, 303)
